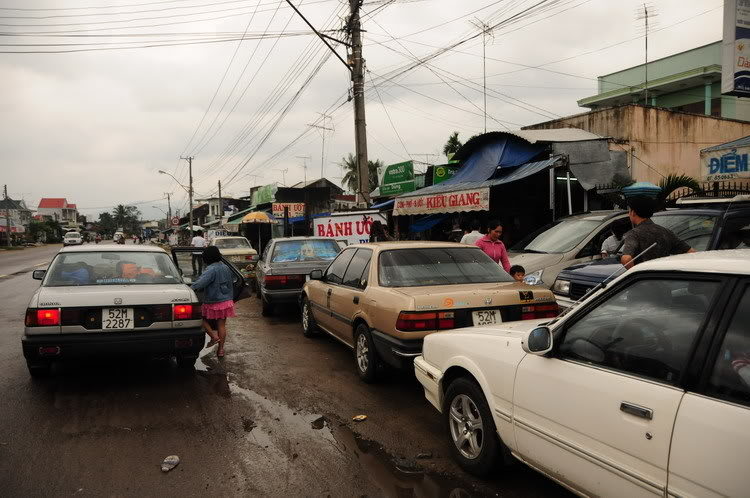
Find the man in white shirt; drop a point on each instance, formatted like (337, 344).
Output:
(198, 241)
(472, 237)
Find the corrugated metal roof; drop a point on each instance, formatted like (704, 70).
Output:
(555, 135)
(740, 142)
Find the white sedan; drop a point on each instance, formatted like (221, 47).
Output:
(107, 300)
(642, 390)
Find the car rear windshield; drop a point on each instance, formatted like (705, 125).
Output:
(291, 251)
(694, 229)
(238, 243)
(558, 238)
(438, 266)
(111, 268)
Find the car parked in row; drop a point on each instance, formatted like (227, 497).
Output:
(382, 299)
(238, 251)
(704, 224)
(285, 266)
(643, 390)
(567, 241)
(106, 300)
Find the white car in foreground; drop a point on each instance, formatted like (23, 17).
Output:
(642, 390)
(106, 300)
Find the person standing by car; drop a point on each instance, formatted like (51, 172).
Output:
(493, 246)
(217, 305)
(378, 232)
(645, 233)
(472, 237)
(198, 241)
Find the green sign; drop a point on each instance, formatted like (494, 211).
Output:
(443, 172)
(264, 194)
(396, 179)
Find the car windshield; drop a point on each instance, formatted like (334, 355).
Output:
(111, 268)
(72, 235)
(234, 243)
(694, 229)
(443, 266)
(291, 251)
(560, 237)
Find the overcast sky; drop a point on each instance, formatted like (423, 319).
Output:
(95, 126)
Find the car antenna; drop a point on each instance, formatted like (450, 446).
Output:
(600, 285)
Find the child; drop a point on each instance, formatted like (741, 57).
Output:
(517, 272)
(614, 241)
(217, 300)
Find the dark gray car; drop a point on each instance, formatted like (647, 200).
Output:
(286, 264)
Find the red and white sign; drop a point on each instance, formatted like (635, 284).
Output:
(449, 202)
(354, 228)
(175, 221)
(295, 209)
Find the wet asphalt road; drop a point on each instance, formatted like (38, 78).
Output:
(273, 418)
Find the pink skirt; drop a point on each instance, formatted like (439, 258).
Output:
(213, 311)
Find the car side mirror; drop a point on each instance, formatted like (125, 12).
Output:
(537, 341)
(316, 275)
(38, 274)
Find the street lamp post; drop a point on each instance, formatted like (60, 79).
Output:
(188, 189)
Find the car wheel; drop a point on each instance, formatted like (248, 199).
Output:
(471, 428)
(186, 362)
(364, 354)
(266, 307)
(39, 370)
(309, 327)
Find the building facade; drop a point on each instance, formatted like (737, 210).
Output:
(58, 209)
(689, 81)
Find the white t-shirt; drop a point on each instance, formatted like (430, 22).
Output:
(471, 238)
(198, 241)
(611, 244)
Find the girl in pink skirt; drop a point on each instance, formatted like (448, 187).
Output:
(218, 303)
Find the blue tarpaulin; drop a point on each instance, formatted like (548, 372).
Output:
(427, 222)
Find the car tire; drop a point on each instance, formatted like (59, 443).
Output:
(309, 326)
(39, 370)
(468, 422)
(266, 307)
(365, 356)
(186, 362)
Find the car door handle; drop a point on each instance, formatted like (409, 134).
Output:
(330, 291)
(356, 300)
(638, 411)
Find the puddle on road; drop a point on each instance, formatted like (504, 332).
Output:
(398, 477)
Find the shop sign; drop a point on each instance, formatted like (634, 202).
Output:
(352, 228)
(264, 194)
(727, 164)
(442, 173)
(735, 56)
(294, 209)
(396, 179)
(448, 202)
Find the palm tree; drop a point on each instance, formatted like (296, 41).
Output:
(452, 145)
(351, 178)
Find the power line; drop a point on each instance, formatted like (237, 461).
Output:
(388, 115)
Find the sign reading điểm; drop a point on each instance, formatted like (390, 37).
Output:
(725, 164)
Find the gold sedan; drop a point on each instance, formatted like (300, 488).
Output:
(382, 299)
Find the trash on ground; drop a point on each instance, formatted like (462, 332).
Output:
(421, 456)
(169, 463)
(359, 418)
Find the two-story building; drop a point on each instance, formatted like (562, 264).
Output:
(58, 209)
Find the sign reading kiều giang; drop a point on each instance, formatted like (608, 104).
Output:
(294, 209)
(396, 178)
(443, 172)
(725, 164)
(735, 49)
(448, 202)
(354, 228)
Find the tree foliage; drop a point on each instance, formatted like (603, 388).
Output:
(46, 231)
(452, 145)
(125, 217)
(351, 177)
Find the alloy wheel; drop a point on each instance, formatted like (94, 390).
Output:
(306, 316)
(467, 429)
(363, 349)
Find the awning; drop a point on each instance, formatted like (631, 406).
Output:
(464, 196)
(427, 222)
(614, 171)
(385, 204)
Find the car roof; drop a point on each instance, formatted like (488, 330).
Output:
(724, 261)
(600, 215)
(278, 239)
(229, 237)
(112, 248)
(411, 244)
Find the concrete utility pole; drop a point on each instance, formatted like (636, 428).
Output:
(169, 209)
(7, 215)
(221, 206)
(358, 84)
(190, 192)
